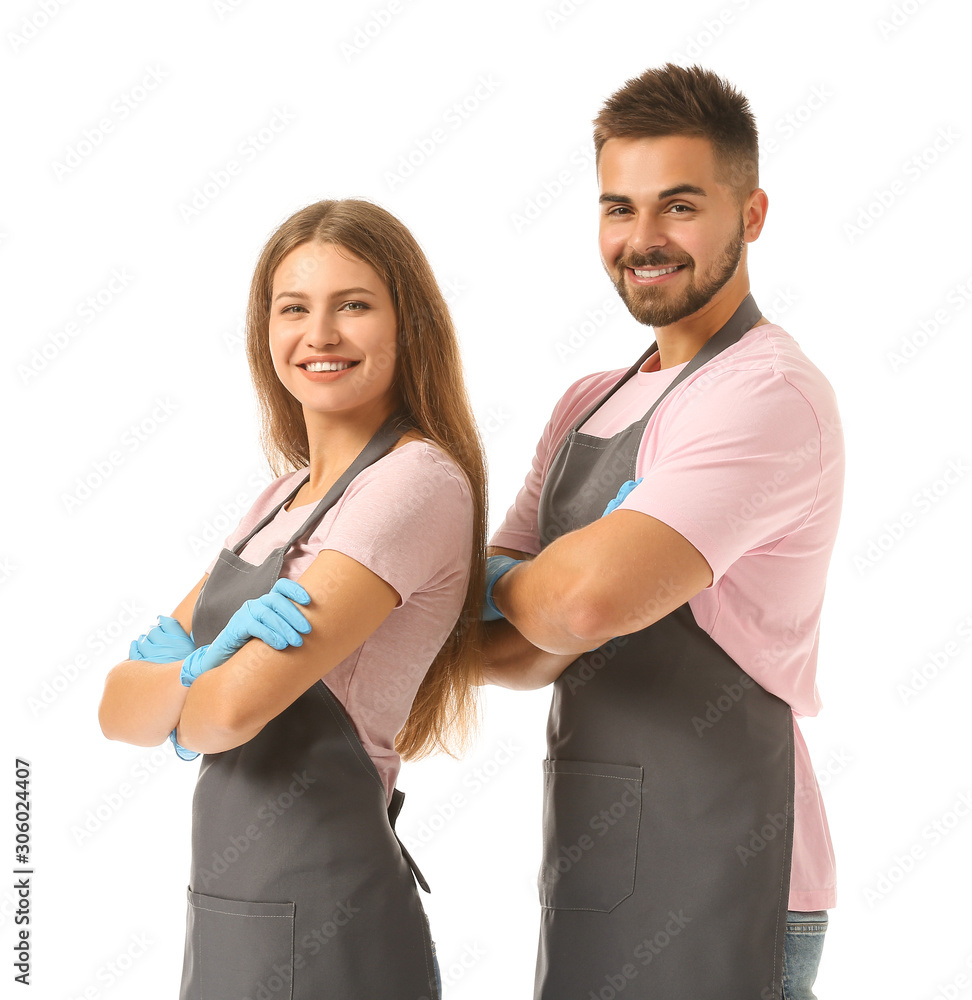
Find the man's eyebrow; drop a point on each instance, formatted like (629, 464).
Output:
(681, 189)
(622, 199)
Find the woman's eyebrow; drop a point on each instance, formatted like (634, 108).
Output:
(333, 295)
(351, 291)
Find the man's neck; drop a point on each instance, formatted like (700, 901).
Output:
(681, 341)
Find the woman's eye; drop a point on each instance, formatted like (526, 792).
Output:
(287, 309)
(354, 306)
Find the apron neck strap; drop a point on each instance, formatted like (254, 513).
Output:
(381, 443)
(746, 316)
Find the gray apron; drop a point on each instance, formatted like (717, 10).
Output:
(668, 795)
(299, 886)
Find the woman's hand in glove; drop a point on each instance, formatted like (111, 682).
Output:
(272, 618)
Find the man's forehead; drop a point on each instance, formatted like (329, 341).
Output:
(652, 166)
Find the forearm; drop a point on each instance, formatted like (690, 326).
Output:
(142, 702)
(208, 722)
(231, 703)
(513, 662)
(615, 576)
(543, 600)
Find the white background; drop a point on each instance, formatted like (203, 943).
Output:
(163, 353)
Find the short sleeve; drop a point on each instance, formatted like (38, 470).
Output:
(520, 529)
(737, 470)
(407, 518)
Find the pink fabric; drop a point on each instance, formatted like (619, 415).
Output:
(745, 459)
(409, 519)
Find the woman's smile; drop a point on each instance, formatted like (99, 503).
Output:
(326, 369)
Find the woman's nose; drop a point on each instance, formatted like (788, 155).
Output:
(323, 330)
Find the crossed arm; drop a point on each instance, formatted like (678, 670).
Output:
(615, 576)
(230, 704)
(612, 577)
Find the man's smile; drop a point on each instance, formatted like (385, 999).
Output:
(653, 275)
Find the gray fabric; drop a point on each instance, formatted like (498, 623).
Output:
(299, 887)
(668, 791)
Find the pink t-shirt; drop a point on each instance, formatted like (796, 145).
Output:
(409, 519)
(745, 459)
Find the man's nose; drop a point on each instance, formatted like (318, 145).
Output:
(646, 234)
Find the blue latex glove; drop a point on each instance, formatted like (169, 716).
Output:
(496, 566)
(272, 618)
(626, 488)
(167, 642)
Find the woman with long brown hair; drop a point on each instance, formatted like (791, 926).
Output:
(357, 574)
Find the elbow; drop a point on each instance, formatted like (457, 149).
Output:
(115, 724)
(109, 715)
(113, 730)
(104, 719)
(205, 737)
(200, 742)
(587, 613)
(587, 625)
(108, 730)
(212, 725)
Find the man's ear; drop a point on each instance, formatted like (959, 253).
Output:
(754, 214)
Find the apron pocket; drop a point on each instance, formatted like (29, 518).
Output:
(591, 821)
(237, 950)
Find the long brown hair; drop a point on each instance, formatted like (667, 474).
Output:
(430, 382)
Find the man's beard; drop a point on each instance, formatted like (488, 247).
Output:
(656, 305)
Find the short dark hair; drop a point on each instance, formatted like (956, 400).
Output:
(692, 101)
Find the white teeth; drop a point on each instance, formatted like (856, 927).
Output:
(657, 272)
(327, 366)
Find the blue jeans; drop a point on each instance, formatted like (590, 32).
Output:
(802, 948)
(801, 952)
(438, 977)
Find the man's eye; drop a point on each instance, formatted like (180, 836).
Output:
(687, 208)
(618, 209)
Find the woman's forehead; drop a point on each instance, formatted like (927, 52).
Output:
(322, 262)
